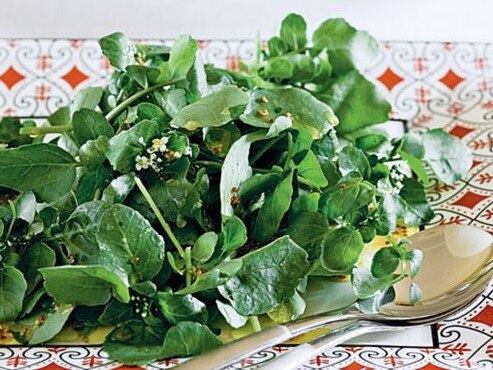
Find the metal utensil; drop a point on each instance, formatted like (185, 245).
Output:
(457, 259)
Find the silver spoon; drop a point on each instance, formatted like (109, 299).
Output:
(457, 262)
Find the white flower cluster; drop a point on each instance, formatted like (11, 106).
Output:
(141, 305)
(157, 152)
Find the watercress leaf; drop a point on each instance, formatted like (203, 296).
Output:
(307, 228)
(271, 213)
(45, 169)
(12, 290)
(204, 246)
(368, 233)
(150, 111)
(233, 234)
(254, 186)
(339, 199)
(277, 46)
(365, 284)
(214, 110)
(80, 230)
(268, 277)
(118, 49)
(176, 308)
(293, 31)
(84, 285)
(219, 140)
(236, 170)
(213, 278)
(233, 318)
(9, 132)
(125, 146)
(87, 98)
(356, 102)
(36, 256)
(415, 258)
(417, 166)
(309, 168)
(341, 249)
(370, 142)
(304, 203)
(128, 243)
(25, 207)
(134, 343)
(385, 261)
(353, 159)
(412, 206)
(182, 56)
(448, 156)
(280, 124)
(348, 47)
(386, 218)
(171, 101)
(188, 339)
(92, 183)
(412, 144)
(88, 124)
(115, 313)
(265, 106)
(119, 188)
(288, 311)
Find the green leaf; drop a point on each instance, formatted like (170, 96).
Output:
(304, 203)
(90, 125)
(305, 111)
(188, 339)
(25, 207)
(118, 190)
(220, 139)
(92, 183)
(36, 256)
(116, 312)
(171, 101)
(385, 261)
(417, 166)
(214, 110)
(133, 343)
(233, 318)
(268, 277)
(288, 311)
(254, 186)
(12, 289)
(412, 206)
(128, 243)
(339, 199)
(309, 168)
(233, 234)
(84, 285)
(348, 48)
(271, 213)
(353, 159)
(9, 132)
(386, 217)
(177, 308)
(356, 102)
(118, 49)
(365, 284)
(307, 228)
(448, 156)
(182, 56)
(125, 146)
(203, 248)
(80, 230)
(87, 98)
(341, 249)
(45, 169)
(293, 31)
(236, 169)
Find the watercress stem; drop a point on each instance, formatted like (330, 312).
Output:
(209, 164)
(255, 323)
(14, 216)
(289, 155)
(37, 131)
(124, 104)
(160, 217)
(188, 266)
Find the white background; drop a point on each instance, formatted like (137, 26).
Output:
(442, 20)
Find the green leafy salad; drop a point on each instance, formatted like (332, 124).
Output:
(183, 194)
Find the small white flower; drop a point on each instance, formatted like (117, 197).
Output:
(142, 162)
(142, 141)
(159, 145)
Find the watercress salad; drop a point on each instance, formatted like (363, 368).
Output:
(182, 192)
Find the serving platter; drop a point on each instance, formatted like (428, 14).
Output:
(431, 85)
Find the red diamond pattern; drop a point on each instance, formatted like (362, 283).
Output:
(485, 316)
(74, 77)
(451, 79)
(11, 77)
(469, 200)
(430, 366)
(389, 78)
(460, 131)
(52, 366)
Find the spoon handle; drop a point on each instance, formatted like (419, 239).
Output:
(306, 351)
(233, 352)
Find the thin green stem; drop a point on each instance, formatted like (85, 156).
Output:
(255, 323)
(209, 164)
(124, 104)
(188, 266)
(265, 148)
(289, 155)
(37, 131)
(14, 216)
(160, 217)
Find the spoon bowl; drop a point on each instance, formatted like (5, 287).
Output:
(457, 266)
